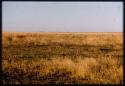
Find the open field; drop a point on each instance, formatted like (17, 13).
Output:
(62, 58)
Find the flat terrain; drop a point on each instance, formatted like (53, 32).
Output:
(62, 58)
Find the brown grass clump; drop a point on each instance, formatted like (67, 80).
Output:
(84, 70)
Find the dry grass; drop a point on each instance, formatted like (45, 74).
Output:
(62, 58)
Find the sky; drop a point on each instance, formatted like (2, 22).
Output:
(62, 16)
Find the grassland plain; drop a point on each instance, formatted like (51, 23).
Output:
(62, 58)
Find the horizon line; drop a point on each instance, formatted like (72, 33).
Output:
(59, 32)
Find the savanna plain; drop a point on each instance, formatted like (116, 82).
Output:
(62, 58)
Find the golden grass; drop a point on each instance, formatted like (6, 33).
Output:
(62, 58)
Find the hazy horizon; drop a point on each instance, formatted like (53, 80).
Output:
(62, 16)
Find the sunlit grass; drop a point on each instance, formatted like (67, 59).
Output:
(67, 58)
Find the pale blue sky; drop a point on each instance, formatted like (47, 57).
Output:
(62, 16)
